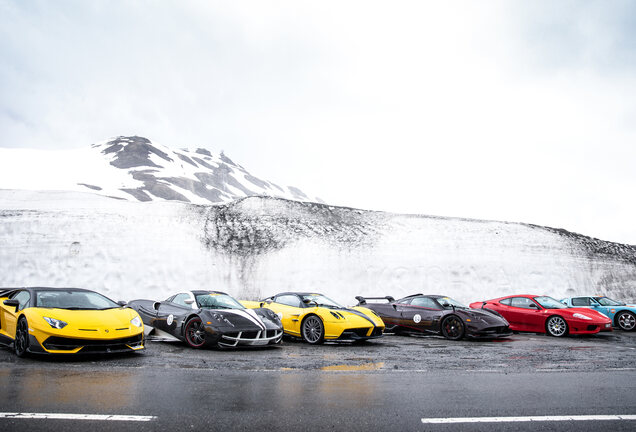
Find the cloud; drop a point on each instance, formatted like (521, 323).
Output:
(500, 110)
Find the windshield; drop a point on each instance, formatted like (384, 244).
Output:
(549, 303)
(321, 300)
(606, 301)
(217, 301)
(448, 303)
(62, 299)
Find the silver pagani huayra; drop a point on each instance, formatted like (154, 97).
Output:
(208, 319)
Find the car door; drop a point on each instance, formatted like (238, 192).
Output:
(10, 313)
(525, 314)
(422, 313)
(388, 313)
(171, 313)
(289, 308)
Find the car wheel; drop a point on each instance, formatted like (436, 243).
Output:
(626, 321)
(195, 333)
(556, 326)
(21, 342)
(453, 327)
(313, 330)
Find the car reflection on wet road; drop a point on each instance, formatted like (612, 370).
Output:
(394, 383)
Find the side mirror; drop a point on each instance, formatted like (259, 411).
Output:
(394, 306)
(262, 304)
(308, 301)
(156, 305)
(122, 303)
(12, 303)
(188, 301)
(533, 306)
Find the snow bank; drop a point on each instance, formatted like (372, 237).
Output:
(259, 246)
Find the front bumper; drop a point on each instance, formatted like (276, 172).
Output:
(488, 332)
(66, 345)
(588, 326)
(357, 334)
(250, 338)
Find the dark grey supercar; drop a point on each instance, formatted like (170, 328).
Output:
(437, 314)
(207, 319)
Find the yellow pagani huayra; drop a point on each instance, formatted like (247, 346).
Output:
(315, 318)
(66, 321)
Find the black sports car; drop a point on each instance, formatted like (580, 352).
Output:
(437, 314)
(208, 318)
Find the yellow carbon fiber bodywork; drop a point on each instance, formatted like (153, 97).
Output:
(292, 317)
(104, 325)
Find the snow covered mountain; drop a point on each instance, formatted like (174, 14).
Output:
(257, 246)
(134, 168)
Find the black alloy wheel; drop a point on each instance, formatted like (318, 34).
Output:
(195, 333)
(21, 342)
(626, 320)
(453, 327)
(312, 330)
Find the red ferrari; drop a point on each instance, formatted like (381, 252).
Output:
(543, 314)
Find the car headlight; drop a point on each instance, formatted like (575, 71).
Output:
(581, 316)
(136, 322)
(55, 323)
(222, 319)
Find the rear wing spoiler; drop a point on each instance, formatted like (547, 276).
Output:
(363, 300)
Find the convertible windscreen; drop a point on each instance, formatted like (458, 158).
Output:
(321, 300)
(79, 300)
(217, 301)
(605, 301)
(549, 303)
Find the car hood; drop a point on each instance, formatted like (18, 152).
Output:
(484, 315)
(88, 320)
(257, 319)
(569, 313)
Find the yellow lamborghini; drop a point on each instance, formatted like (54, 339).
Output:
(66, 321)
(315, 318)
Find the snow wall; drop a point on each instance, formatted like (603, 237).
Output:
(259, 246)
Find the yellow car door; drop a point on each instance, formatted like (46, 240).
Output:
(287, 306)
(9, 314)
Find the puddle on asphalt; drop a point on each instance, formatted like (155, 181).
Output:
(353, 368)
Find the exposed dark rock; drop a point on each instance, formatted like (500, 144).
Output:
(134, 152)
(203, 151)
(226, 159)
(258, 225)
(90, 186)
(187, 159)
(297, 193)
(138, 194)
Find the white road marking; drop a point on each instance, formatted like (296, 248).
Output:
(61, 416)
(527, 419)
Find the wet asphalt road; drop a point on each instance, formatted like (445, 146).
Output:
(388, 384)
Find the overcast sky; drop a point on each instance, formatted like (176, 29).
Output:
(519, 111)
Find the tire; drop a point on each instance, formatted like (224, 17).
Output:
(556, 326)
(626, 321)
(452, 327)
(195, 333)
(313, 330)
(21, 342)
